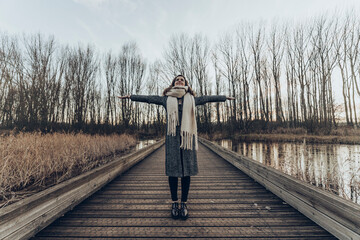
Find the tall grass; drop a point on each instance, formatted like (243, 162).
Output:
(32, 161)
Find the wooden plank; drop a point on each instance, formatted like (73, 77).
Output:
(166, 196)
(188, 231)
(337, 215)
(194, 214)
(193, 201)
(227, 210)
(185, 238)
(230, 222)
(204, 207)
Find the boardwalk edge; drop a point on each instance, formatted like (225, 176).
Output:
(338, 216)
(27, 217)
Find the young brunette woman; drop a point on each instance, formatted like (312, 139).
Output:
(181, 136)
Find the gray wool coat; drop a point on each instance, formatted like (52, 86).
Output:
(178, 162)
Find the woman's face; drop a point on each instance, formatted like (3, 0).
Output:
(180, 81)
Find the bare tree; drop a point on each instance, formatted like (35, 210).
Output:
(245, 77)
(218, 82)
(352, 54)
(110, 69)
(291, 82)
(276, 49)
(178, 58)
(131, 69)
(342, 53)
(229, 68)
(257, 39)
(80, 75)
(325, 58)
(43, 72)
(10, 59)
(200, 54)
(155, 72)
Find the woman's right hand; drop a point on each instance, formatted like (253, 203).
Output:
(124, 97)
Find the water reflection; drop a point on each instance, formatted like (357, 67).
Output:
(335, 168)
(144, 143)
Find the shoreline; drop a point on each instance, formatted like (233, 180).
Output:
(299, 138)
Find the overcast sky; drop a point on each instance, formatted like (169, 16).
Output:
(108, 24)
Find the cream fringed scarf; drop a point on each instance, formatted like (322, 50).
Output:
(188, 128)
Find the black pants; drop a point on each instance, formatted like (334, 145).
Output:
(185, 186)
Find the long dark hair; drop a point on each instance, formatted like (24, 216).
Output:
(173, 84)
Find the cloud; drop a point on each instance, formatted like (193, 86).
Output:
(112, 4)
(91, 3)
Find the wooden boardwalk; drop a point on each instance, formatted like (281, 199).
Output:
(223, 203)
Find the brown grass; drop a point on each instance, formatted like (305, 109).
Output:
(299, 138)
(337, 137)
(31, 161)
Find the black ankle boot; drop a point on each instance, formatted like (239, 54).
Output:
(175, 210)
(184, 214)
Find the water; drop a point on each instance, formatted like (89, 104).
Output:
(144, 143)
(332, 167)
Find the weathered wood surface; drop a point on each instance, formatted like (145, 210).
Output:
(337, 215)
(223, 203)
(25, 218)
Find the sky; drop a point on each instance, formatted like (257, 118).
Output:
(108, 24)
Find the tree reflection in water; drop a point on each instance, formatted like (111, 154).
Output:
(332, 167)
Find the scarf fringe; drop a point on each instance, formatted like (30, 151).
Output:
(187, 140)
(173, 121)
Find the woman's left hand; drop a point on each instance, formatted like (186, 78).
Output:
(230, 98)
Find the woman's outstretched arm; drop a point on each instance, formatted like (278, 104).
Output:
(215, 98)
(159, 100)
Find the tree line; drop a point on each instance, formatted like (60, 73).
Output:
(280, 74)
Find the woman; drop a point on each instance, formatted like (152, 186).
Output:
(181, 136)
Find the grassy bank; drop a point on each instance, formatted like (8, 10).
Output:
(336, 136)
(297, 138)
(31, 162)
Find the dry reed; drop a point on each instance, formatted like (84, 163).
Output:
(32, 161)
